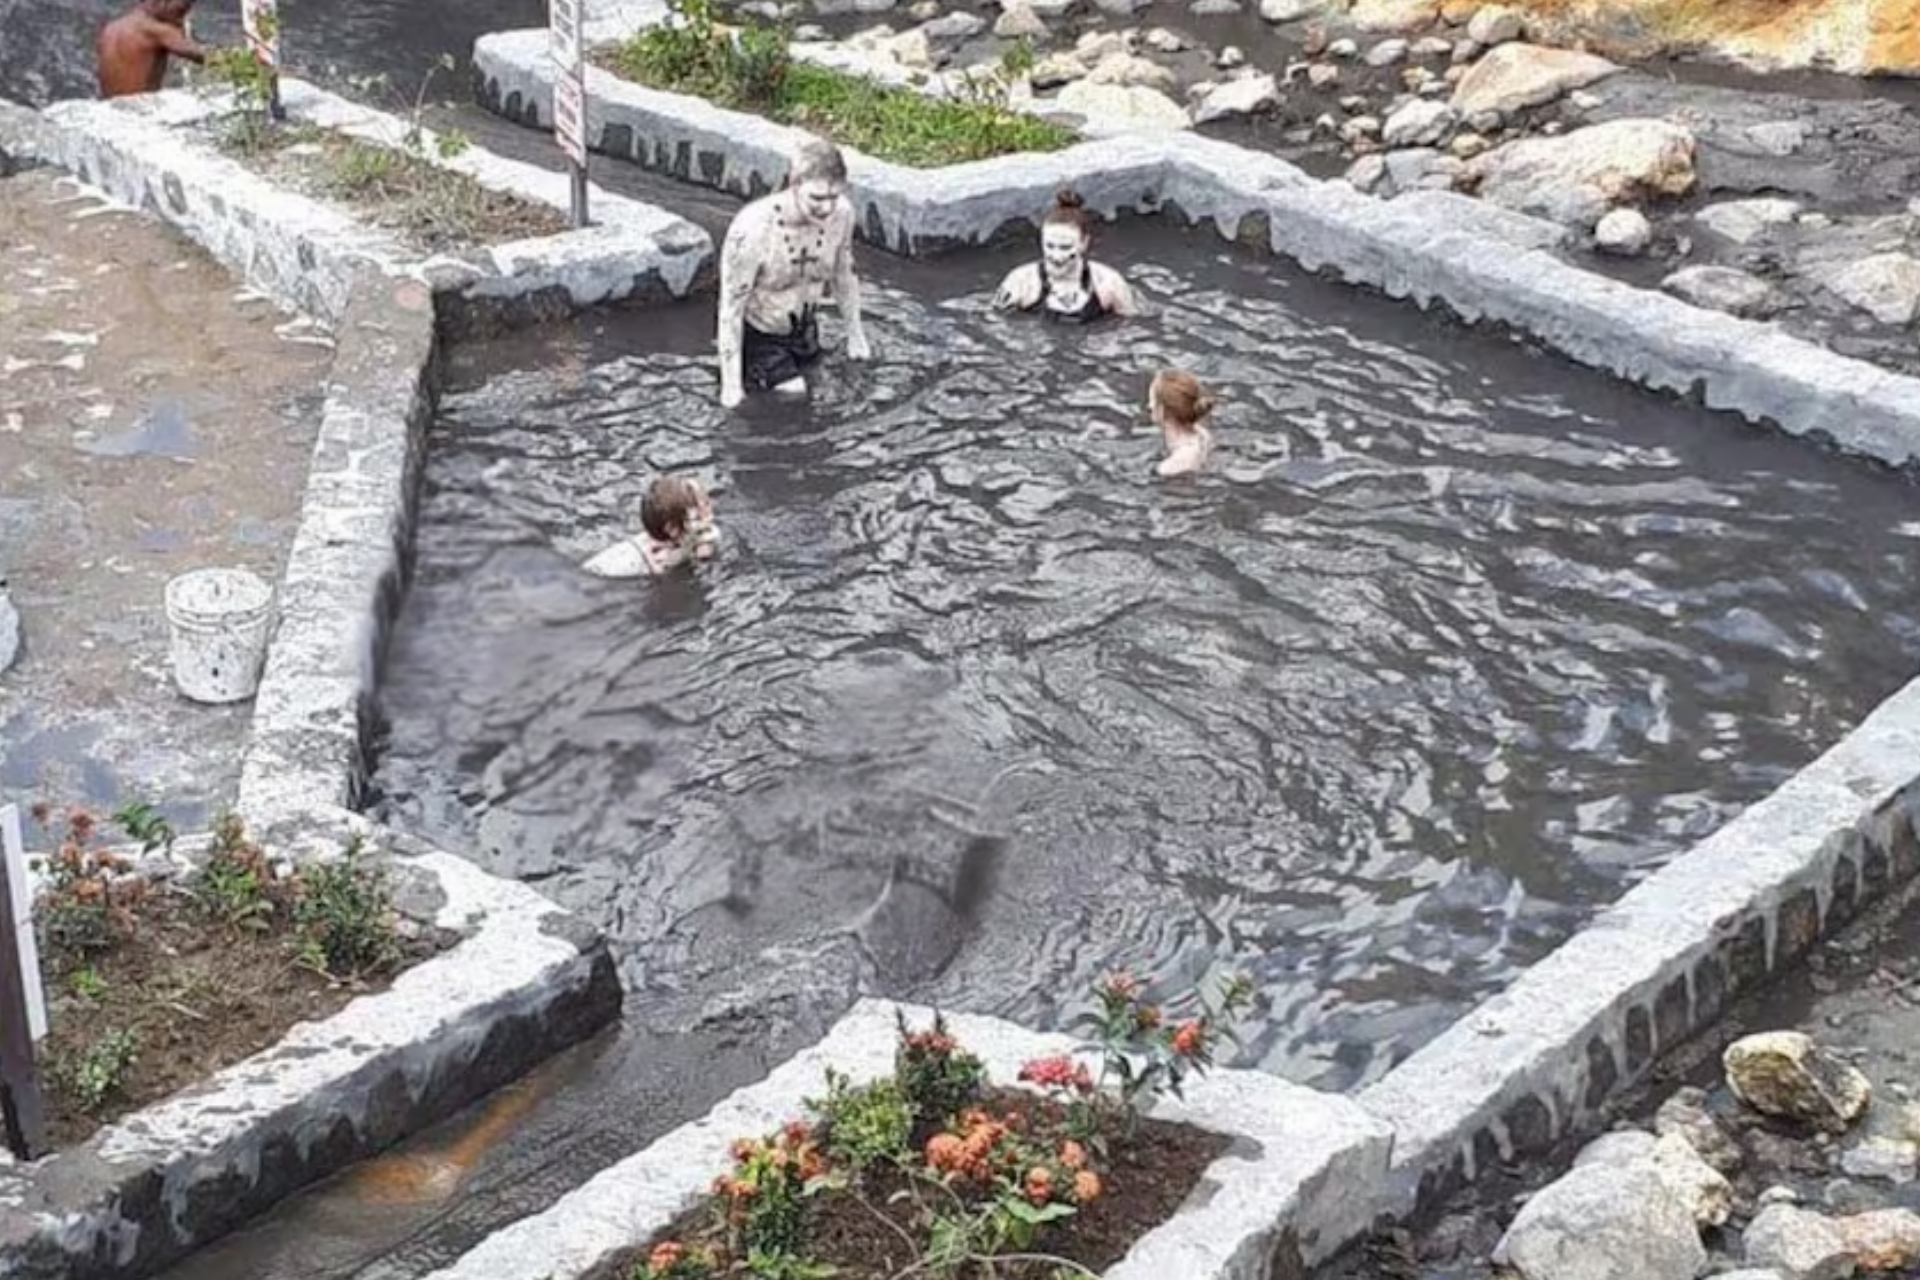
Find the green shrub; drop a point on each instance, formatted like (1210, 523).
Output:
(346, 919)
(864, 1126)
(100, 1071)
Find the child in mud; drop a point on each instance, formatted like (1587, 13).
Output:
(676, 528)
(1180, 407)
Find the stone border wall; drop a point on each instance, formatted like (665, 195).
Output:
(1283, 1196)
(1480, 262)
(526, 980)
(156, 153)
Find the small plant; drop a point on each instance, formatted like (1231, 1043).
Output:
(1141, 1055)
(237, 885)
(445, 145)
(143, 823)
(671, 1260)
(938, 1078)
(87, 905)
(761, 1200)
(87, 985)
(101, 1071)
(867, 1126)
(345, 916)
(251, 82)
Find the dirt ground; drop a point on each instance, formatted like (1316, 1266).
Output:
(152, 420)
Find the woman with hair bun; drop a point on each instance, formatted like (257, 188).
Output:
(1066, 284)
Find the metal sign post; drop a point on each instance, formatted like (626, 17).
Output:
(261, 21)
(570, 96)
(23, 1004)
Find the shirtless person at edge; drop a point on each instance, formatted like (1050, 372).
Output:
(135, 47)
(1066, 284)
(783, 255)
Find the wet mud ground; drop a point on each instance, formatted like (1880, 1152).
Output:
(151, 422)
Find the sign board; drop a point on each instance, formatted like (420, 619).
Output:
(570, 117)
(261, 19)
(21, 893)
(563, 27)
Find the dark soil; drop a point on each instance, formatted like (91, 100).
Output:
(881, 1231)
(434, 208)
(197, 995)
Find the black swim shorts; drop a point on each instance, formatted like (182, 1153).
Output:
(768, 359)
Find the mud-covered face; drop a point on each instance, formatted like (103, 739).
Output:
(1063, 250)
(817, 198)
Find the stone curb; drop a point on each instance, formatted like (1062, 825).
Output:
(526, 980)
(1283, 1196)
(1530, 1065)
(1482, 263)
(153, 152)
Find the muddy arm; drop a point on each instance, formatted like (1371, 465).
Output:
(740, 258)
(1020, 291)
(846, 292)
(1115, 294)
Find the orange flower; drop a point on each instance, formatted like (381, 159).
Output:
(665, 1255)
(1039, 1185)
(796, 1133)
(812, 1165)
(1190, 1039)
(1086, 1186)
(743, 1149)
(1072, 1155)
(946, 1152)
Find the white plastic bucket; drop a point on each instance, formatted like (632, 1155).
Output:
(220, 620)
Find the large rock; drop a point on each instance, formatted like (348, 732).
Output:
(1685, 1112)
(1241, 96)
(1130, 69)
(1576, 177)
(1724, 289)
(1514, 76)
(1114, 108)
(1707, 1195)
(1057, 69)
(1290, 10)
(1744, 221)
(1884, 1240)
(1421, 123)
(1893, 1160)
(1019, 21)
(1604, 1221)
(1496, 24)
(1886, 286)
(1799, 1244)
(1783, 1073)
(1394, 15)
(1625, 232)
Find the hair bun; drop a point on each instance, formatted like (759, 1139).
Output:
(1068, 198)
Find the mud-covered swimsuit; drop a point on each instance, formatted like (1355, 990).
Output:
(768, 360)
(1090, 308)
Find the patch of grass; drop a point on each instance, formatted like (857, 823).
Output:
(751, 68)
(99, 1072)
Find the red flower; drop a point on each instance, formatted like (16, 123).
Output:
(1121, 985)
(1073, 1156)
(665, 1255)
(1190, 1039)
(1059, 1072)
(946, 1152)
(1039, 1185)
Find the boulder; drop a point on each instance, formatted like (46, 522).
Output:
(1417, 168)
(1432, 47)
(1723, 289)
(1421, 123)
(1799, 1244)
(1626, 233)
(1322, 76)
(1130, 69)
(1576, 178)
(1744, 221)
(1114, 108)
(1516, 76)
(1887, 287)
(1366, 173)
(1884, 1240)
(1892, 1160)
(1496, 24)
(1686, 1114)
(1290, 10)
(1776, 137)
(1019, 21)
(1604, 1221)
(1707, 1195)
(958, 25)
(1783, 1073)
(1466, 146)
(1360, 129)
(1057, 69)
(1230, 57)
(1344, 47)
(1386, 53)
(1394, 15)
(1161, 40)
(1242, 96)
(1619, 1147)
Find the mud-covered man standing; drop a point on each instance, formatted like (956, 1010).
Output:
(784, 254)
(135, 48)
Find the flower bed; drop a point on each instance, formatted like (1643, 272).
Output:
(154, 985)
(930, 1170)
(751, 68)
